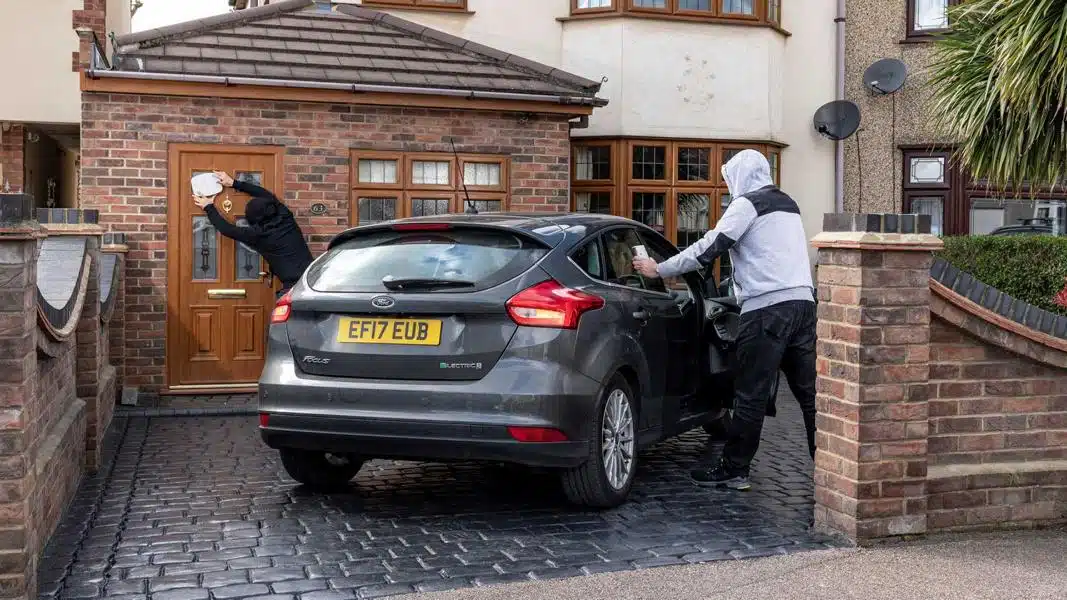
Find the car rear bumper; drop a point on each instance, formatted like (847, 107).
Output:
(430, 420)
(412, 440)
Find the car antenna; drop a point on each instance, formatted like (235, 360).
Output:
(471, 209)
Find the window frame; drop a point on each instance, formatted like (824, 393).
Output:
(608, 189)
(672, 10)
(612, 7)
(484, 159)
(401, 175)
(574, 162)
(668, 163)
(406, 190)
(913, 34)
(460, 6)
(373, 193)
(622, 186)
(676, 180)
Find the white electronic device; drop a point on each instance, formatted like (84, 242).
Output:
(206, 185)
(640, 252)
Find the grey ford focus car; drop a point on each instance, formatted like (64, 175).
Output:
(516, 338)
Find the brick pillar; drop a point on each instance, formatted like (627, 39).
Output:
(873, 373)
(19, 235)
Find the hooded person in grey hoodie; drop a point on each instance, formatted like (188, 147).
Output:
(764, 235)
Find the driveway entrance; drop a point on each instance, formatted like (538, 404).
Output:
(197, 505)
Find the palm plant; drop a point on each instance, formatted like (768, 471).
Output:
(1000, 89)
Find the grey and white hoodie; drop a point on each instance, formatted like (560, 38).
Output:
(762, 231)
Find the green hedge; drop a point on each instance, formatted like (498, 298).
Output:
(1030, 267)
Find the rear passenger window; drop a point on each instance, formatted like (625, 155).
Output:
(619, 263)
(588, 259)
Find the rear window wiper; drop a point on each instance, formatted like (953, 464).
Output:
(422, 283)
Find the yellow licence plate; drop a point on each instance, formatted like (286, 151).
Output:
(410, 332)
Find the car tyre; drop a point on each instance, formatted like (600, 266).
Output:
(605, 479)
(320, 471)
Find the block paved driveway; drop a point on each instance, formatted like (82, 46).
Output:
(196, 508)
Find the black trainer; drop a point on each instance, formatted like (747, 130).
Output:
(720, 477)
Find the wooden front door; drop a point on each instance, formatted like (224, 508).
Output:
(219, 295)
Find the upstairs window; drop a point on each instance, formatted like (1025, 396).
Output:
(927, 17)
(449, 5)
(757, 11)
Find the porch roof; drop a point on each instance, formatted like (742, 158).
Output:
(308, 44)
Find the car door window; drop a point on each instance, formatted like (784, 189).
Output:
(618, 246)
(678, 285)
(588, 259)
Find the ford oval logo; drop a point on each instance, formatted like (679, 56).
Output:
(382, 302)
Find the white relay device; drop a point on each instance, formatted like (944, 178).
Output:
(640, 252)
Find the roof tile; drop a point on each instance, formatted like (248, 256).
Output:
(351, 45)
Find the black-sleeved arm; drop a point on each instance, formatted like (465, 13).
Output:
(254, 190)
(241, 234)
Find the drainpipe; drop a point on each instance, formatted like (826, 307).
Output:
(839, 162)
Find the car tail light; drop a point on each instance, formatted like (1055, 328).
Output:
(536, 434)
(550, 304)
(264, 419)
(421, 226)
(282, 309)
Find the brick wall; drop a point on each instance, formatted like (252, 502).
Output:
(12, 158)
(124, 174)
(44, 375)
(935, 413)
(998, 423)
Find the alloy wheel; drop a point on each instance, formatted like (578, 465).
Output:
(617, 439)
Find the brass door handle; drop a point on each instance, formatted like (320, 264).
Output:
(219, 294)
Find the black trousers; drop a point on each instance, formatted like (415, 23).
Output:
(777, 338)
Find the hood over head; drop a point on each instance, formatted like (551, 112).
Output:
(747, 172)
(260, 210)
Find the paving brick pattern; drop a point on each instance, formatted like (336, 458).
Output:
(199, 509)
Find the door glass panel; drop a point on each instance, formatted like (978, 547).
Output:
(677, 284)
(246, 260)
(725, 268)
(593, 202)
(253, 177)
(422, 207)
(205, 250)
(375, 210)
(650, 209)
(927, 170)
(694, 164)
(692, 217)
(933, 206)
(592, 162)
(481, 174)
(378, 171)
(618, 245)
(650, 162)
(588, 259)
(426, 172)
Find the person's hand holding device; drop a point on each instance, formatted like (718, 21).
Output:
(643, 264)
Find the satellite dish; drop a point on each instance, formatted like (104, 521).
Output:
(885, 76)
(837, 120)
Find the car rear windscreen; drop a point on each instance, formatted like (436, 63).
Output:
(456, 260)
